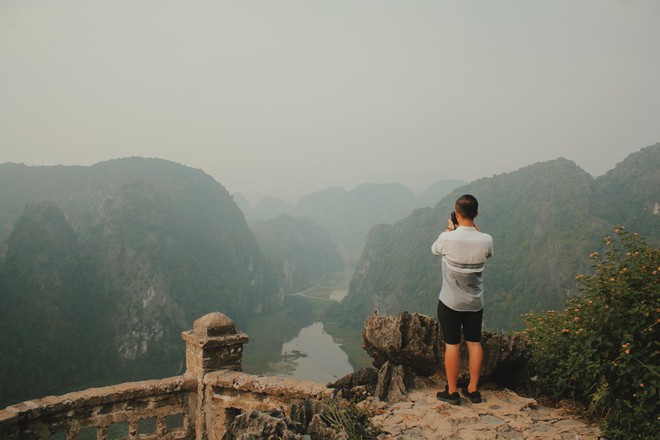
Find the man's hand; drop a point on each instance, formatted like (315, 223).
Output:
(450, 225)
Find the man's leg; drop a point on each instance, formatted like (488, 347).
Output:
(450, 324)
(452, 365)
(476, 355)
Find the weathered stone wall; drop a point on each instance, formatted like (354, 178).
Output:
(229, 393)
(214, 394)
(159, 408)
(198, 405)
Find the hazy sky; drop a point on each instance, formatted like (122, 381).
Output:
(288, 97)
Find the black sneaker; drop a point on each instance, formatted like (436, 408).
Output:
(474, 397)
(453, 398)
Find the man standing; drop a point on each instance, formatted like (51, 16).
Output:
(464, 251)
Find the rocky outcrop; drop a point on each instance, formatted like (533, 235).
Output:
(357, 385)
(410, 340)
(255, 424)
(414, 342)
(393, 383)
(304, 422)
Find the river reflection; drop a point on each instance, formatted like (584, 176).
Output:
(313, 355)
(293, 342)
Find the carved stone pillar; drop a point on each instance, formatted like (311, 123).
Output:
(212, 344)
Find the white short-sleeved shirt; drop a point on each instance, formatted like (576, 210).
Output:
(464, 252)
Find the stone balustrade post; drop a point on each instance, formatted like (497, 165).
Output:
(212, 344)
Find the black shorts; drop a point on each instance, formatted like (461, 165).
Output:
(451, 322)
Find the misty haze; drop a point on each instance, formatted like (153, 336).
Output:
(290, 164)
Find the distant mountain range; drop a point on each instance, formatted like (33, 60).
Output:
(102, 267)
(349, 215)
(545, 219)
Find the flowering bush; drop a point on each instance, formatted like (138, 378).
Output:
(603, 348)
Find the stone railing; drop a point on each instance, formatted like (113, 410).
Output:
(229, 392)
(146, 410)
(196, 405)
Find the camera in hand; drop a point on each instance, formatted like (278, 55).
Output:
(454, 220)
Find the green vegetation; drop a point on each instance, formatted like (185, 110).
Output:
(542, 218)
(302, 251)
(628, 194)
(603, 347)
(347, 417)
(98, 281)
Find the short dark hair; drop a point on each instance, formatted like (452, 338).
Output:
(467, 206)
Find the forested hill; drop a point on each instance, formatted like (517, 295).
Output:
(545, 219)
(302, 251)
(629, 194)
(102, 267)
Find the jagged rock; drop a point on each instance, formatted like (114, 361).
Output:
(302, 412)
(358, 385)
(363, 376)
(305, 423)
(414, 342)
(410, 340)
(393, 383)
(251, 425)
(505, 357)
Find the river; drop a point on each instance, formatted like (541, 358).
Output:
(313, 355)
(294, 342)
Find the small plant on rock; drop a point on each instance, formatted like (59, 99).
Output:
(347, 417)
(603, 348)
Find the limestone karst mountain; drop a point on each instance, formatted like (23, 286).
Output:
(629, 193)
(302, 251)
(108, 264)
(545, 219)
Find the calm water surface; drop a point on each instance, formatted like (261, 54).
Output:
(313, 355)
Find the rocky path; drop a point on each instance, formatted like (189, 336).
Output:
(502, 415)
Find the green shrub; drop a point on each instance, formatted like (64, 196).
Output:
(603, 348)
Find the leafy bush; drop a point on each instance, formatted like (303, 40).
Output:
(603, 348)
